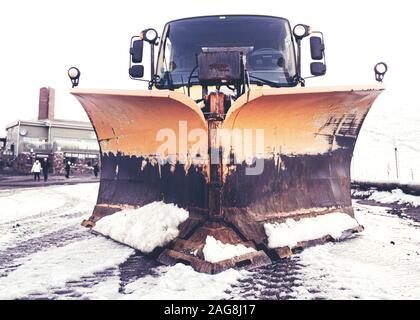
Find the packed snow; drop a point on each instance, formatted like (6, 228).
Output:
(215, 250)
(396, 196)
(31, 213)
(291, 232)
(53, 268)
(178, 282)
(50, 256)
(182, 282)
(28, 203)
(383, 262)
(145, 228)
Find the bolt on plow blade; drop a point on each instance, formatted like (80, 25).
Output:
(272, 167)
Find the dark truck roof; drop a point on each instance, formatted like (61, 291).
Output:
(227, 15)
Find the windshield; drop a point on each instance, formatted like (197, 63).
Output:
(265, 41)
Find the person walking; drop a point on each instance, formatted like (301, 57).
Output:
(95, 169)
(45, 168)
(36, 170)
(68, 169)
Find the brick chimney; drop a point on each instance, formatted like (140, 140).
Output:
(46, 103)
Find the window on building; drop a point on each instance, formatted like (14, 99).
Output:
(74, 158)
(76, 144)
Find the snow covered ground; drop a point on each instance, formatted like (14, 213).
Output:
(390, 125)
(46, 254)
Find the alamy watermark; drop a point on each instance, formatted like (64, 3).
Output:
(234, 146)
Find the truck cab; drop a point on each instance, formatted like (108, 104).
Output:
(228, 53)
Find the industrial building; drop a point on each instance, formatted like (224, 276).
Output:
(57, 140)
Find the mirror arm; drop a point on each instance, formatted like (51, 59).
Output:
(153, 75)
(130, 64)
(148, 81)
(299, 63)
(310, 77)
(152, 65)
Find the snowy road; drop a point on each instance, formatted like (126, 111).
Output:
(46, 254)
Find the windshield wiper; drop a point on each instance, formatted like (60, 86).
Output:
(189, 79)
(265, 81)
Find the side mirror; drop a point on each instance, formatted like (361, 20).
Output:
(317, 48)
(136, 51)
(136, 71)
(318, 69)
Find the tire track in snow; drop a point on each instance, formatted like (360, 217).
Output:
(34, 232)
(59, 227)
(25, 248)
(274, 282)
(382, 262)
(47, 271)
(116, 278)
(318, 273)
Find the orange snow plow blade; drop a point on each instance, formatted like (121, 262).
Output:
(284, 153)
(128, 125)
(309, 138)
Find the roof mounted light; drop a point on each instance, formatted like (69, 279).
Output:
(150, 35)
(74, 75)
(381, 69)
(301, 31)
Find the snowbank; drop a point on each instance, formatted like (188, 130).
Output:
(146, 228)
(215, 250)
(291, 232)
(396, 196)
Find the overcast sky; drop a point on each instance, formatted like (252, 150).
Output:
(41, 39)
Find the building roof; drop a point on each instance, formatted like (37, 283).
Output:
(57, 123)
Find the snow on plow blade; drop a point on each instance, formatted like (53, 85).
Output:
(278, 155)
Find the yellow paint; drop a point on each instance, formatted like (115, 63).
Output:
(294, 119)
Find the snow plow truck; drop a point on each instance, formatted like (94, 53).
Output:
(228, 130)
